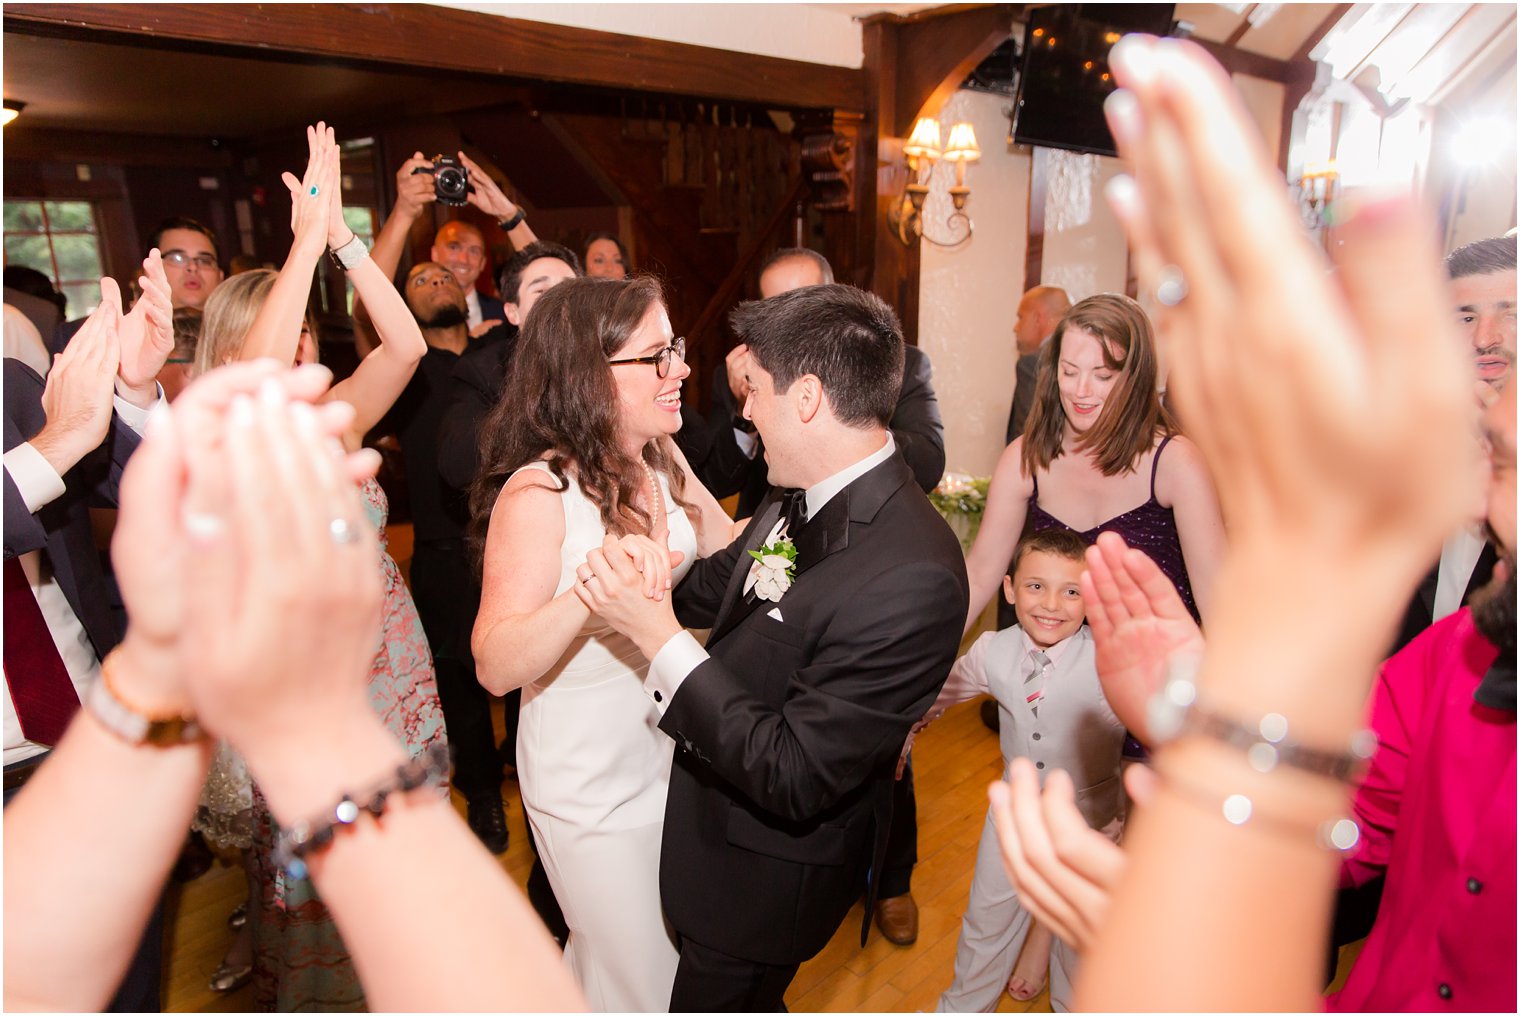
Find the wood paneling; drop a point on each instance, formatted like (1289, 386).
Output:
(420, 35)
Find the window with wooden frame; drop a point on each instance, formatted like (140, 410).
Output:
(60, 239)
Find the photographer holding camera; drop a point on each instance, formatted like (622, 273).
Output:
(458, 244)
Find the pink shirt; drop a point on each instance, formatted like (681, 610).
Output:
(1437, 813)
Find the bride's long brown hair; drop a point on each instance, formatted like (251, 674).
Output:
(560, 398)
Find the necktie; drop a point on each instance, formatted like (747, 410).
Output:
(39, 683)
(793, 510)
(1034, 679)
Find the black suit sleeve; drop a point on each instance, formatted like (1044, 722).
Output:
(727, 469)
(916, 425)
(1025, 374)
(879, 663)
(700, 594)
(96, 477)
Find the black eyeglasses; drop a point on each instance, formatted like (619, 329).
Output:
(661, 360)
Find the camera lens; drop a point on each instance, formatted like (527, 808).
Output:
(451, 184)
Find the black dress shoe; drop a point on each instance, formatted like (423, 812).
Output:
(488, 821)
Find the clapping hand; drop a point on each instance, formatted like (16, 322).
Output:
(147, 334)
(312, 197)
(1138, 622)
(77, 397)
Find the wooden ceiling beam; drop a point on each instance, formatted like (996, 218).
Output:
(1242, 61)
(1318, 35)
(936, 54)
(424, 36)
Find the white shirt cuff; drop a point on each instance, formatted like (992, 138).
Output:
(133, 416)
(749, 444)
(35, 478)
(677, 658)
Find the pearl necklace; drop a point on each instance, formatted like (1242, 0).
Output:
(657, 503)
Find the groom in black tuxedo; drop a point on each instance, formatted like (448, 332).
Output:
(789, 723)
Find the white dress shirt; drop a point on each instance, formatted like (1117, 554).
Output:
(39, 484)
(473, 314)
(1459, 556)
(682, 654)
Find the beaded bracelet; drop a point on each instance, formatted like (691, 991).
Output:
(1176, 710)
(1341, 833)
(294, 844)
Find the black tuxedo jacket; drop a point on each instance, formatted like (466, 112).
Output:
(62, 527)
(780, 798)
(916, 426)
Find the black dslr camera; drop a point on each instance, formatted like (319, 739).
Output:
(451, 181)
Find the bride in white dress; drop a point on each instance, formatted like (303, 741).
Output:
(579, 448)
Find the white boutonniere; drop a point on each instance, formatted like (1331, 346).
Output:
(778, 569)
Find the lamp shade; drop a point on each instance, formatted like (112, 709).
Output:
(962, 144)
(924, 140)
(12, 110)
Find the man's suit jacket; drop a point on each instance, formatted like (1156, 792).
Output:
(62, 527)
(780, 798)
(916, 426)
(1025, 374)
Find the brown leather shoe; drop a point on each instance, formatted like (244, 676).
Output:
(898, 919)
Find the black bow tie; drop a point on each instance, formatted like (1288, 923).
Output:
(793, 509)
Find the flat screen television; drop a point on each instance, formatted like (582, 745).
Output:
(1065, 77)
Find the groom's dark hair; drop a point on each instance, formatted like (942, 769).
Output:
(848, 338)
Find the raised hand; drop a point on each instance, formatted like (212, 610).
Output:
(311, 197)
(736, 363)
(77, 397)
(414, 190)
(147, 334)
(1334, 415)
(1138, 622)
(484, 192)
(283, 593)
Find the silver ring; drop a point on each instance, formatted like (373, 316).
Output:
(1173, 287)
(203, 525)
(342, 531)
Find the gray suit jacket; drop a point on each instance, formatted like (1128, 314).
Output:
(1025, 375)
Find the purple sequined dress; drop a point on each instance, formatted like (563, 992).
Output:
(1150, 527)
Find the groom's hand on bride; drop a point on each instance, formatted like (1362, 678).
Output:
(612, 586)
(655, 561)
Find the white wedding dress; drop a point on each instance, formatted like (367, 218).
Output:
(594, 767)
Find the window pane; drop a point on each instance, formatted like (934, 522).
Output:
(361, 221)
(31, 251)
(70, 217)
(83, 298)
(77, 257)
(24, 216)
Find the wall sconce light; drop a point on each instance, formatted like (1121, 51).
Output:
(13, 108)
(923, 150)
(1316, 190)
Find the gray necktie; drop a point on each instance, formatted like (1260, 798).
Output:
(1034, 679)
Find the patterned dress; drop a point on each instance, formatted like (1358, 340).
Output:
(299, 961)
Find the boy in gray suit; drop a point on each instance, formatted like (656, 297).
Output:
(1052, 711)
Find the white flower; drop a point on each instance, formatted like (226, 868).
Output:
(771, 583)
(776, 562)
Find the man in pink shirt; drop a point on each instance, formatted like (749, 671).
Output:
(1437, 809)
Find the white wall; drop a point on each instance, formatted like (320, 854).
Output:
(968, 297)
(790, 31)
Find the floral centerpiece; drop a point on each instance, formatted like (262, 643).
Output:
(961, 499)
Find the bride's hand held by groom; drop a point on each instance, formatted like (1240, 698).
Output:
(627, 583)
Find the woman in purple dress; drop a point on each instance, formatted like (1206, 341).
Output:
(1101, 454)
